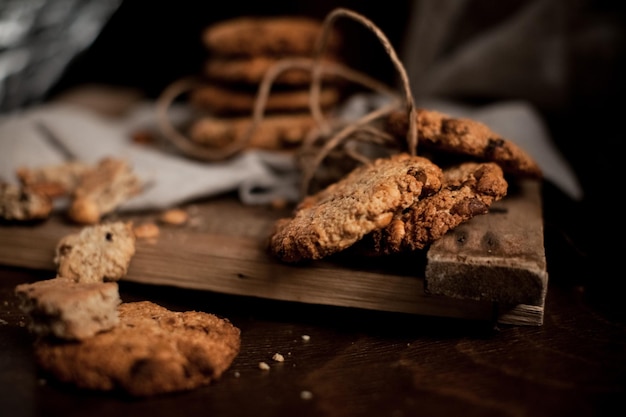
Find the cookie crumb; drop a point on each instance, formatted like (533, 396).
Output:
(146, 231)
(279, 203)
(306, 337)
(306, 395)
(264, 366)
(174, 217)
(278, 357)
(143, 137)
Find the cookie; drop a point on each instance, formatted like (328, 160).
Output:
(274, 132)
(65, 309)
(438, 131)
(223, 101)
(252, 70)
(103, 189)
(22, 204)
(364, 200)
(151, 351)
(53, 180)
(266, 35)
(97, 253)
(468, 190)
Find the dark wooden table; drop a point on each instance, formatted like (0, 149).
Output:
(367, 363)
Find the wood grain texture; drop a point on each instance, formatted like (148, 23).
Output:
(498, 257)
(222, 249)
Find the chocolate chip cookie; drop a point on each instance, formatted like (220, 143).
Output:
(266, 35)
(468, 190)
(342, 213)
(274, 132)
(440, 132)
(222, 101)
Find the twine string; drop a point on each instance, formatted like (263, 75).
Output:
(321, 44)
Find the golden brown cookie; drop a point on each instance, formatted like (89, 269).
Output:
(22, 204)
(227, 101)
(65, 309)
(441, 132)
(275, 131)
(262, 35)
(97, 253)
(151, 351)
(53, 180)
(251, 70)
(365, 200)
(468, 190)
(103, 189)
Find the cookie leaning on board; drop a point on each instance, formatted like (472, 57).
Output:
(440, 132)
(365, 200)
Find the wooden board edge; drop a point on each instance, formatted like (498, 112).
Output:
(520, 315)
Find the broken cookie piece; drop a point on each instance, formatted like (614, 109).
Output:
(22, 204)
(53, 180)
(97, 253)
(65, 309)
(102, 190)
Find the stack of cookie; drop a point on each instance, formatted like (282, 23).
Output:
(241, 51)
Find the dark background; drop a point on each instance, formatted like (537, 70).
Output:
(147, 45)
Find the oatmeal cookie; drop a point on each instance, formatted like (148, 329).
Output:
(97, 253)
(468, 190)
(438, 131)
(342, 213)
(252, 70)
(223, 101)
(65, 309)
(151, 351)
(23, 204)
(263, 35)
(275, 132)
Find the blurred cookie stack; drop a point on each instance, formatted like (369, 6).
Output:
(241, 51)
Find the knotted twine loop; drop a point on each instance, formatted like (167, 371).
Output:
(308, 170)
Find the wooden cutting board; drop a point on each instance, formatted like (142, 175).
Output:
(491, 268)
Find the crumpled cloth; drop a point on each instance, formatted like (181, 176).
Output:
(54, 133)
